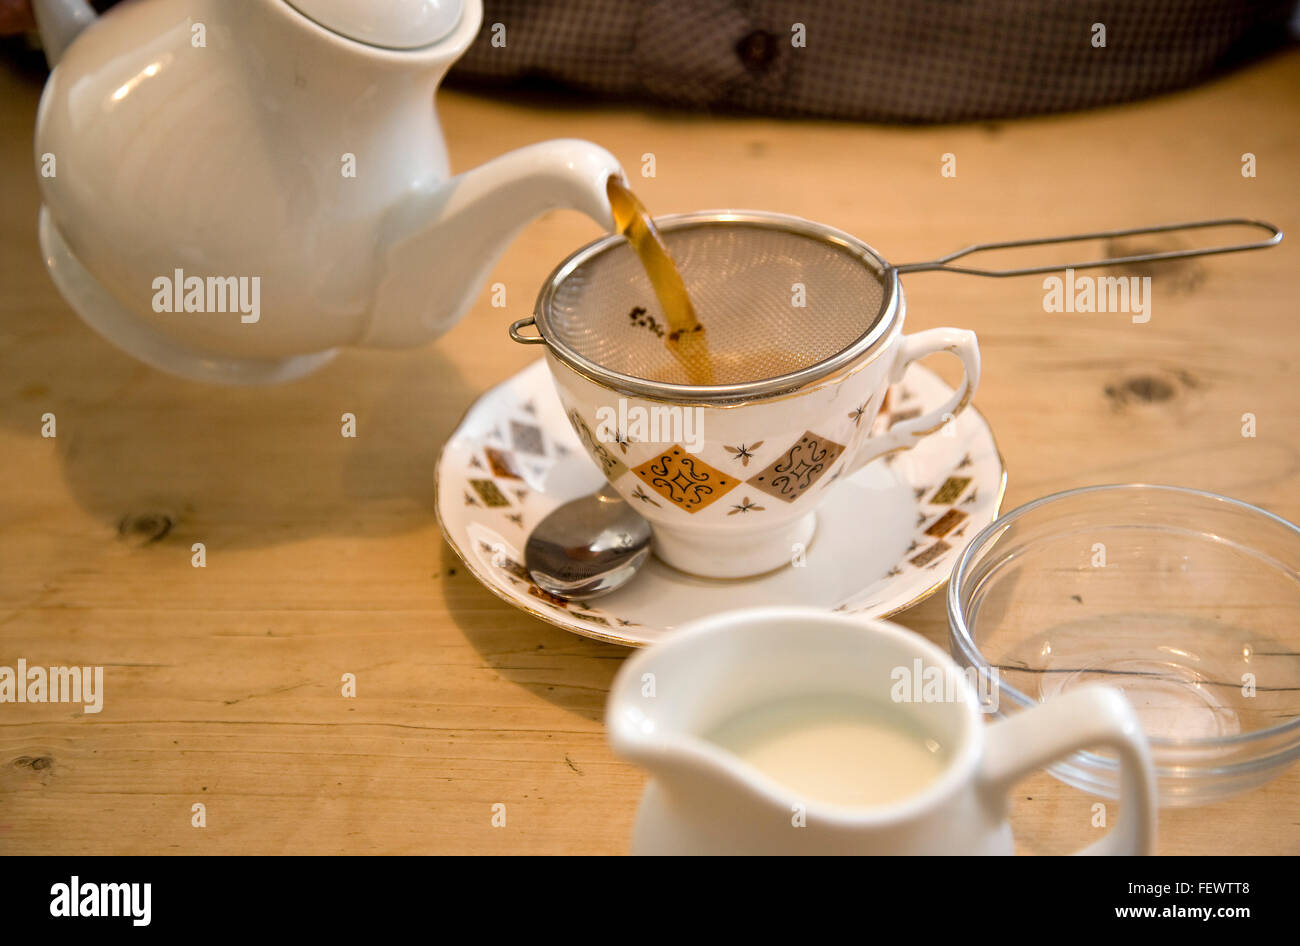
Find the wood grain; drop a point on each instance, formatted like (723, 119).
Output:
(324, 556)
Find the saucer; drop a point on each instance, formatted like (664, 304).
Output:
(887, 537)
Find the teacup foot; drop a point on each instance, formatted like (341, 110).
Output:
(734, 555)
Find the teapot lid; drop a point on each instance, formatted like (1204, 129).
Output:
(393, 24)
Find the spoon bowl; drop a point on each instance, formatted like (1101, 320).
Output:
(587, 547)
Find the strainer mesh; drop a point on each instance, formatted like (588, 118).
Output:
(746, 282)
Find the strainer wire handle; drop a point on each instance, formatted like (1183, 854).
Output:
(942, 262)
(515, 332)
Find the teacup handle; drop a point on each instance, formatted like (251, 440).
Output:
(903, 435)
(1085, 718)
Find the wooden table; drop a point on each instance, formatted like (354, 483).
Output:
(324, 556)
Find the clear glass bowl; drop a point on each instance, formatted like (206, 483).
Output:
(1187, 601)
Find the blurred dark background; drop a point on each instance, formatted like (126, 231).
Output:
(876, 60)
(871, 60)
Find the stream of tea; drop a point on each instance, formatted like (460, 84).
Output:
(685, 336)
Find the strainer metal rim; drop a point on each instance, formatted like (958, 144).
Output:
(740, 391)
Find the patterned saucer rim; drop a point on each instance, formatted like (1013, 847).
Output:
(577, 623)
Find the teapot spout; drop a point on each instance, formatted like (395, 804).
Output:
(59, 22)
(439, 246)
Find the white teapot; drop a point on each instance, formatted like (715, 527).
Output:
(233, 189)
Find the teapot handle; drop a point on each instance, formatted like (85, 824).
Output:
(1085, 718)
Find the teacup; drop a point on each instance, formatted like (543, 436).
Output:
(668, 701)
(730, 475)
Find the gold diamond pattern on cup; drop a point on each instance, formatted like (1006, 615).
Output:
(930, 554)
(950, 491)
(796, 470)
(527, 438)
(488, 492)
(684, 480)
(945, 523)
(501, 463)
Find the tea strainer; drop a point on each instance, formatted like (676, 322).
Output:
(784, 301)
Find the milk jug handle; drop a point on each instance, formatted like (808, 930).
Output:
(1086, 718)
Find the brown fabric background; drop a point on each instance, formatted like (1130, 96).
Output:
(880, 60)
